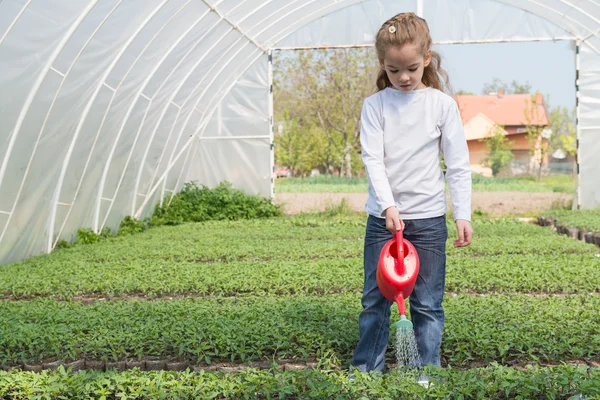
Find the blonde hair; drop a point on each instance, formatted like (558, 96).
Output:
(410, 28)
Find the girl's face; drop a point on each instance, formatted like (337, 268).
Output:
(405, 66)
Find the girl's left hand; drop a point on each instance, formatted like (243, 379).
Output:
(465, 233)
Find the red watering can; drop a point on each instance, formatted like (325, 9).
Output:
(397, 273)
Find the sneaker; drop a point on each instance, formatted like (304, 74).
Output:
(351, 374)
(423, 380)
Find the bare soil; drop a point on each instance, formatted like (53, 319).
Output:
(92, 299)
(495, 204)
(149, 363)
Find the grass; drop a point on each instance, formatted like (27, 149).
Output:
(552, 183)
(583, 219)
(335, 184)
(323, 183)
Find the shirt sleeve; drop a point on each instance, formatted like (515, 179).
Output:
(371, 140)
(456, 157)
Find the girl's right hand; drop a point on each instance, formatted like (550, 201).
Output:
(392, 220)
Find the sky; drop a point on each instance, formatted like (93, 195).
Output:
(547, 66)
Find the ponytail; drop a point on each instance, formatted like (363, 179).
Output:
(434, 75)
(382, 80)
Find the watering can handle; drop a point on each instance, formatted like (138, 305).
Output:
(400, 247)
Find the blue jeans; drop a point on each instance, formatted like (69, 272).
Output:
(429, 238)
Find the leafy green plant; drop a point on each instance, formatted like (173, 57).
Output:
(199, 204)
(478, 213)
(343, 208)
(494, 382)
(500, 155)
(193, 204)
(583, 219)
(289, 288)
(88, 236)
(62, 244)
(130, 226)
(303, 254)
(291, 327)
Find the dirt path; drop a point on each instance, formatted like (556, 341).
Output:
(493, 203)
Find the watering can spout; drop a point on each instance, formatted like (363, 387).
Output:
(401, 306)
(403, 325)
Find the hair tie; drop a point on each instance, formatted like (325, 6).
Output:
(392, 29)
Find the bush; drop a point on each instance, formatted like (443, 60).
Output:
(87, 235)
(198, 204)
(192, 204)
(500, 155)
(130, 225)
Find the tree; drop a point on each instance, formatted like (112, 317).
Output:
(500, 155)
(538, 134)
(293, 147)
(560, 133)
(564, 133)
(325, 89)
(514, 88)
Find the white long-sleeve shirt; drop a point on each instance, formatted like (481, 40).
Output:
(403, 135)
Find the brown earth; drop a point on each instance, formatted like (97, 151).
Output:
(492, 203)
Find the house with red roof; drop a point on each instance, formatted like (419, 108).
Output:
(481, 115)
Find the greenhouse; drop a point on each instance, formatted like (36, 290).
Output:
(109, 105)
(154, 245)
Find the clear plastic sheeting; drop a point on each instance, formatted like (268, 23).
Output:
(464, 21)
(107, 107)
(236, 134)
(354, 25)
(245, 110)
(589, 127)
(241, 113)
(269, 21)
(241, 160)
(450, 21)
(579, 18)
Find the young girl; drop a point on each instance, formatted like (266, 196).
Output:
(405, 128)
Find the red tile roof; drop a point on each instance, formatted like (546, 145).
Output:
(503, 109)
